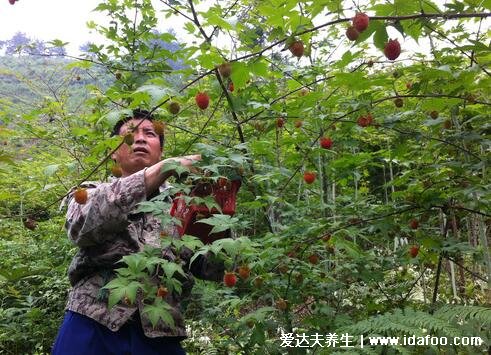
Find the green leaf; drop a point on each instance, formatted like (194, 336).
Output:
(240, 74)
(381, 37)
(220, 222)
(159, 310)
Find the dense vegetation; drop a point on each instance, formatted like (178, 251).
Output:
(365, 199)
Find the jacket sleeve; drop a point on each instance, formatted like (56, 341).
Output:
(106, 210)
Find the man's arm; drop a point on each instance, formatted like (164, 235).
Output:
(106, 211)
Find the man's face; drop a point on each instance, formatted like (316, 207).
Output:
(145, 150)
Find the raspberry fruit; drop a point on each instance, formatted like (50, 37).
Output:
(174, 108)
(352, 33)
(202, 100)
(309, 177)
(244, 272)
(225, 70)
(413, 251)
(326, 142)
(80, 195)
(116, 170)
(392, 49)
(360, 21)
(229, 279)
(297, 48)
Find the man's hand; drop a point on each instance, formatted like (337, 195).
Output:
(155, 176)
(186, 161)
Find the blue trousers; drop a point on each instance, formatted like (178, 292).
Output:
(81, 335)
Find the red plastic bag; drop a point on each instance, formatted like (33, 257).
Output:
(225, 194)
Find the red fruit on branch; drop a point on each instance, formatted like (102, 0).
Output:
(360, 21)
(30, 223)
(225, 70)
(363, 121)
(314, 259)
(352, 33)
(244, 272)
(162, 291)
(399, 102)
(229, 279)
(280, 122)
(413, 251)
(414, 223)
(309, 177)
(297, 48)
(326, 142)
(116, 170)
(281, 304)
(174, 108)
(12, 2)
(258, 282)
(434, 114)
(392, 49)
(231, 87)
(80, 195)
(202, 100)
(158, 127)
(298, 123)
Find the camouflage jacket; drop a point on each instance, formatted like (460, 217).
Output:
(105, 229)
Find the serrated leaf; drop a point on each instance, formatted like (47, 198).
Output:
(159, 310)
(240, 74)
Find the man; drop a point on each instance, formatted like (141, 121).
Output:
(105, 229)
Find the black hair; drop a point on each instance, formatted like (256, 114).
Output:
(137, 113)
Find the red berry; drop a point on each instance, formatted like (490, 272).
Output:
(225, 69)
(298, 124)
(174, 108)
(362, 121)
(352, 33)
(202, 100)
(231, 86)
(258, 281)
(280, 122)
(398, 102)
(297, 48)
(116, 170)
(414, 223)
(229, 279)
(326, 142)
(30, 223)
(309, 177)
(392, 49)
(158, 127)
(413, 251)
(244, 272)
(281, 304)
(162, 291)
(314, 259)
(434, 114)
(80, 195)
(12, 2)
(409, 85)
(360, 21)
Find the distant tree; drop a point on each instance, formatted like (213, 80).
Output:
(16, 43)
